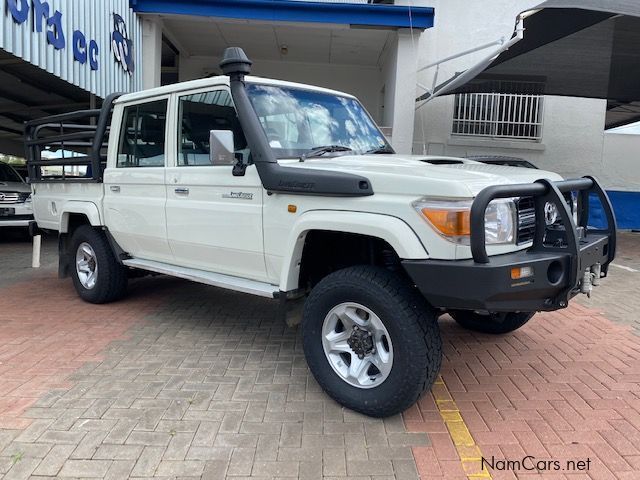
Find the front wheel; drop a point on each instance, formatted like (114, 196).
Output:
(97, 275)
(492, 323)
(370, 340)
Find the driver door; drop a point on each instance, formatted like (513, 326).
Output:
(214, 219)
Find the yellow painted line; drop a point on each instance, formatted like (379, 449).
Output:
(469, 453)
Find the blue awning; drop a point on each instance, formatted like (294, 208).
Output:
(376, 15)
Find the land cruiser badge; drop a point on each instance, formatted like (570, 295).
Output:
(238, 195)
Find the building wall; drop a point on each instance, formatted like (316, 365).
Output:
(621, 162)
(573, 131)
(81, 51)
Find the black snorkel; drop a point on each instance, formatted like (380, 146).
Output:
(276, 178)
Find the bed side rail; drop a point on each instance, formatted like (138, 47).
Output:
(80, 138)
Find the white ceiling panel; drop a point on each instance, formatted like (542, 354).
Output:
(258, 40)
(305, 44)
(328, 44)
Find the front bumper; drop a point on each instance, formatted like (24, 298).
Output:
(21, 215)
(567, 264)
(15, 223)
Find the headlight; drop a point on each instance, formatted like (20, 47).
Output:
(499, 222)
(452, 219)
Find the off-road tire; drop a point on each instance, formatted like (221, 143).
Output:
(494, 324)
(412, 327)
(111, 283)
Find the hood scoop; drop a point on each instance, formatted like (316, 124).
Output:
(443, 161)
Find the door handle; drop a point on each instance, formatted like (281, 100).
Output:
(114, 188)
(182, 191)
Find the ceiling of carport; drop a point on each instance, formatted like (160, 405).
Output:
(333, 44)
(28, 92)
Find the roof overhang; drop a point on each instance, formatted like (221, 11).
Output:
(586, 48)
(28, 92)
(371, 15)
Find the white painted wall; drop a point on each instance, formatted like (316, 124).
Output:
(621, 161)
(573, 142)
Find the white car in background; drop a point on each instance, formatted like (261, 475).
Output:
(15, 198)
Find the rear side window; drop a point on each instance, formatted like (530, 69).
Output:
(142, 135)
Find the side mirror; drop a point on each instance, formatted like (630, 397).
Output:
(221, 147)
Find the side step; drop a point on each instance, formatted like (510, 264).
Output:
(216, 279)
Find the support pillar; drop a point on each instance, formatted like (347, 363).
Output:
(400, 90)
(152, 48)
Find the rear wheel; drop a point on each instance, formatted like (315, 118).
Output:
(97, 275)
(371, 341)
(493, 323)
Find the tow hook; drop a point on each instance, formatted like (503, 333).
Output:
(590, 279)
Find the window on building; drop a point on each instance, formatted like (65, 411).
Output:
(142, 135)
(501, 115)
(199, 114)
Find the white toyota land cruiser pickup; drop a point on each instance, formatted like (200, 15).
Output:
(291, 192)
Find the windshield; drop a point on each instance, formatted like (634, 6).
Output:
(8, 174)
(297, 121)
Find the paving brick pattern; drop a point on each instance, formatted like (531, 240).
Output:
(15, 256)
(185, 381)
(618, 298)
(564, 387)
(177, 381)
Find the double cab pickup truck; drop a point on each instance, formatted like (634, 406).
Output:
(291, 192)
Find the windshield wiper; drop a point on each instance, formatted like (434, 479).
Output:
(383, 149)
(317, 151)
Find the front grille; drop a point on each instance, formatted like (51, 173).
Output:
(9, 198)
(526, 219)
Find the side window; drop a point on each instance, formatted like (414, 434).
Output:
(200, 113)
(142, 135)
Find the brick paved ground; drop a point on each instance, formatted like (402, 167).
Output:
(619, 296)
(15, 256)
(185, 381)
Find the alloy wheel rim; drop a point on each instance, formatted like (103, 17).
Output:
(357, 345)
(86, 265)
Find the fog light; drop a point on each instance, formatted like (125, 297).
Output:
(551, 213)
(521, 272)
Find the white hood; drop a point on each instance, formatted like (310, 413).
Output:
(425, 175)
(15, 187)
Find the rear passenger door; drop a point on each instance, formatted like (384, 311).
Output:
(135, 194)
(214, 219)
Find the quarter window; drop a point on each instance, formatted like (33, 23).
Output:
(199, 114)
(142, 135)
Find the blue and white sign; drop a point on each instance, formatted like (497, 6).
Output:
(122, 45)
(90, 43)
